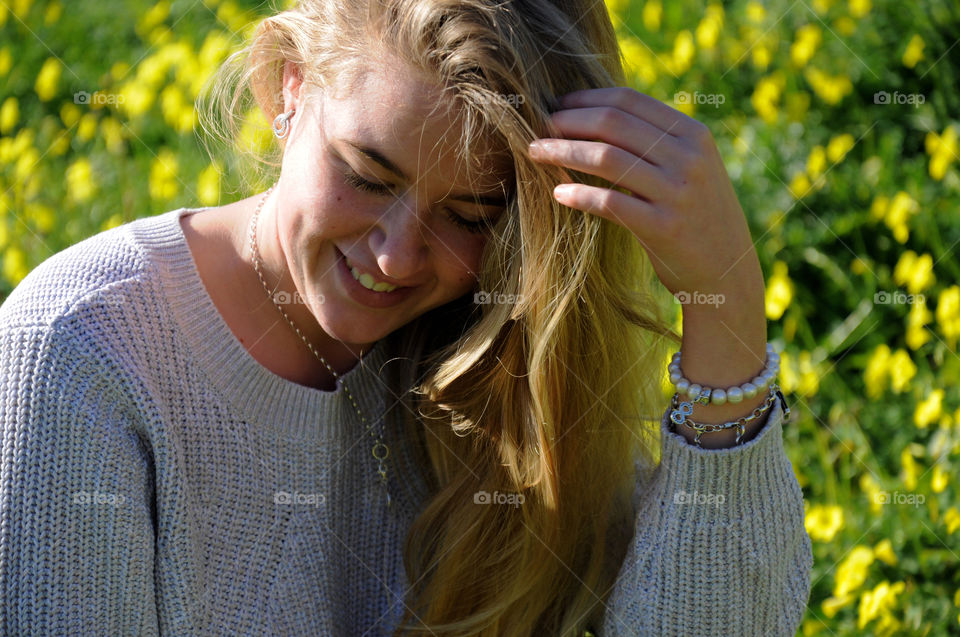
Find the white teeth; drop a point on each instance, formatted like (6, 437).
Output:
(367, 281)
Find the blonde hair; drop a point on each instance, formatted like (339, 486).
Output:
(544, 396)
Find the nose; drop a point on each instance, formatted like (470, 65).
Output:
(402, 250)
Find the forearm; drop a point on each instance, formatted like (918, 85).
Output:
(724, 345)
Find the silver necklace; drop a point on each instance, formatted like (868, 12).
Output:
(380, 450)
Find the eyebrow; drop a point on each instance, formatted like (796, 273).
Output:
(380, 158)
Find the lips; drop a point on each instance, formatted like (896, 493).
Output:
(363, 272)
(363, 295)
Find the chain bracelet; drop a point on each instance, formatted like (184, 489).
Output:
(683, 409)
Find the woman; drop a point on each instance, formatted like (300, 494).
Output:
(411, 388)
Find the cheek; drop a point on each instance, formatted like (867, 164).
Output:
(458, 259)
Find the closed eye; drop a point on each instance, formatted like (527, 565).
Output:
(358, 182)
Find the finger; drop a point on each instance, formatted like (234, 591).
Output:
(647, 108)
(634, 214)
(619, 128)
(603, 160)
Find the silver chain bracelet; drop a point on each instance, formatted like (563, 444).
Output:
(683, 409)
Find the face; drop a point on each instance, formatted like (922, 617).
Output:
(371, 185)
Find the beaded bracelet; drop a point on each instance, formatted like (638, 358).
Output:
(706, 395)
(683, 409)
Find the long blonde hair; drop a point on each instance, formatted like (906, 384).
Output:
(556, 394)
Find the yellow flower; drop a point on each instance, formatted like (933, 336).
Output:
(755, 12)
(883, 551)
(6, 60)
(15, 265)
(830, 88)
(53, 12)
(844, 25)
(831, 605)
(942, 150)
(799, 185)
(808, 39)
(766, 96)
(779, 291)
(952, 519)
(42, 216)
(652, 11)
(929, 410)
(823, 522)
(880, 600)
(113, 135)
(939, 480)
(163, 176)
(822, 6)
(816, 162)
(897, 214)
(81, 185)
(914, 272)
(914, 52)
(47, 79)
(208, 186)
(948, 314)
(909, 468)
(70, 114)
(87, 128)
(138, 97)
(870, 487)
(617, 7)
(683, 50)
(709, 27)
(9, 115)
(760, 56)
(800, 377)
(255, 133)
(852, 571)
(638, 61)
(153, 16)
(902, 370)
(918, 317)
(859, 8)
(119, 70)
(839, 146)
(877, 372)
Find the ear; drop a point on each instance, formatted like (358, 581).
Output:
(292, 81)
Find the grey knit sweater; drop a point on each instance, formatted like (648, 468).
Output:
(156, 479)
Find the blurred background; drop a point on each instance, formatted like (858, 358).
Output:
(838, 124)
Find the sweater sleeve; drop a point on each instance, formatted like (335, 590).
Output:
(719, 543)
(76, 491)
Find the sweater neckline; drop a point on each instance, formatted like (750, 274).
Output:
(278, 405)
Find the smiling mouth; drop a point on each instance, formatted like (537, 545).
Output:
(367, 280)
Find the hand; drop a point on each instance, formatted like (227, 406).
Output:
(683, 210)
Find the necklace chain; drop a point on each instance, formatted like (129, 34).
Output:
(380, 450)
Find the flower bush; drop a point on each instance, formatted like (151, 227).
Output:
(837, 121)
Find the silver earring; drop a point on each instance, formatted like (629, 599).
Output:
(281, 124)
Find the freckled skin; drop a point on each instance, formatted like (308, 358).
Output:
(404, 237)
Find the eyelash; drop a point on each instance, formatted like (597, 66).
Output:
(358, 182)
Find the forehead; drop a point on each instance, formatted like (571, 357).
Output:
(397, 110)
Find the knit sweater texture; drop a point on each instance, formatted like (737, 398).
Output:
(157, 480)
